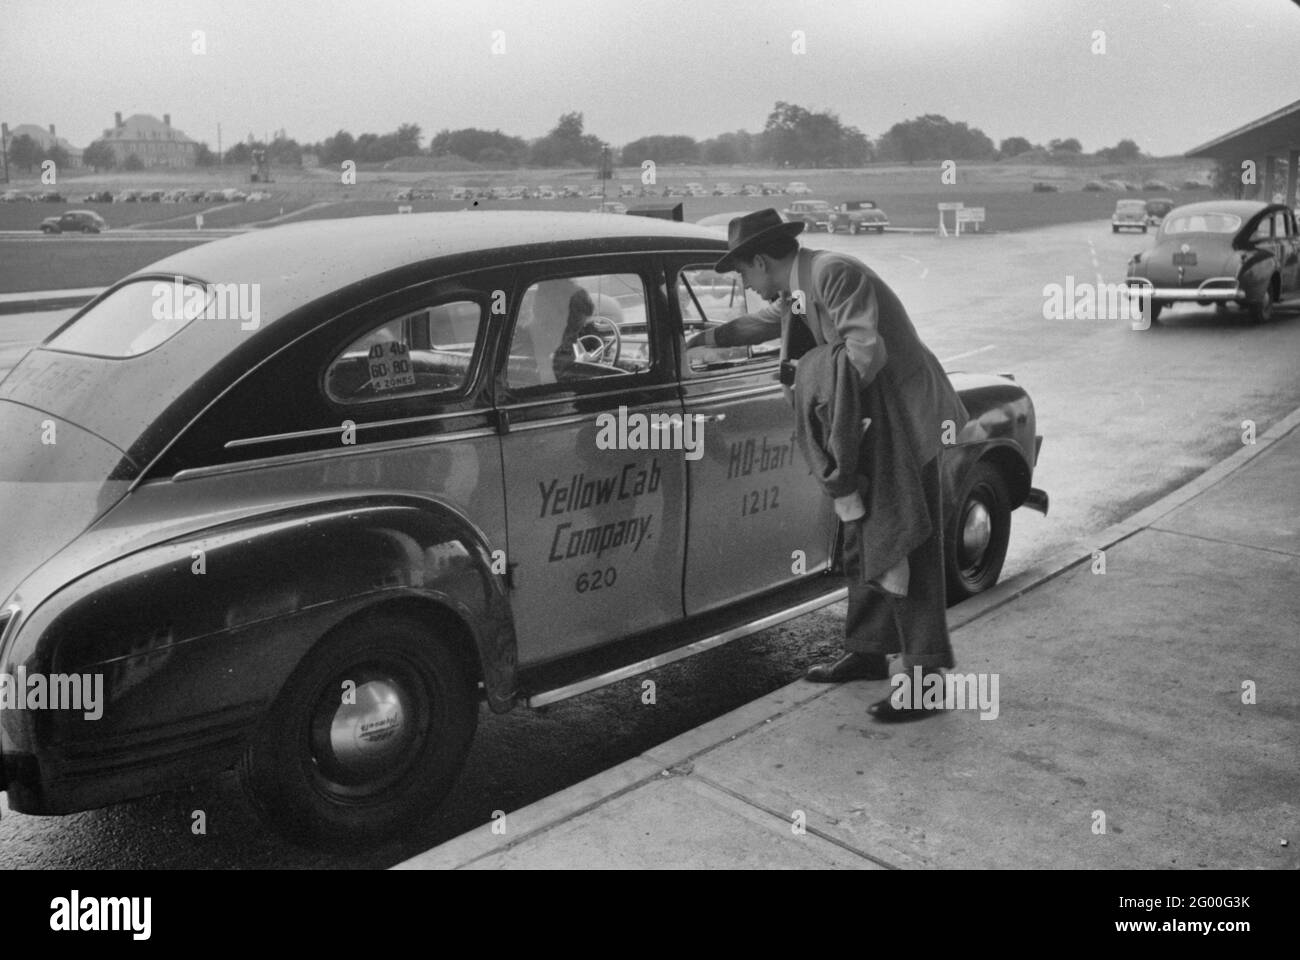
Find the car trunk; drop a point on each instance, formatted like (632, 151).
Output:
(1201, 260)
(55, 479)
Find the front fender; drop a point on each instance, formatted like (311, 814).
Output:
(195, 636)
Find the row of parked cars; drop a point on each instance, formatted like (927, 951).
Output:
(548, 192)
(855, 216)
(227, 195)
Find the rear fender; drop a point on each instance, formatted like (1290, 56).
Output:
(198, 634)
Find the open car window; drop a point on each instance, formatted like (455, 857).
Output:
(430, 350)
(579, 328)
(707, 298)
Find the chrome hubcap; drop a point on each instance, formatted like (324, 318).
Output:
(370, 735)
(976, 532)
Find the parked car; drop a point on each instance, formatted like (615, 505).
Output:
(197, 196)
(546, 192)
(51, 196)
(99, 196)
(174, 196)
(74, 221)
(151, 196)
(1157, 209)
(751, 190)
(288, 556)
(570, 192)
(1041, 186)
(816, 214)
(857, 216)
(1129, 215)
(723, 190)
(1222, 251)
(798, 189)
(127, 196)
(772, 189)
(15, 196)
(626, 190)
(611, 206)
(1157, 185)
(1096, 185)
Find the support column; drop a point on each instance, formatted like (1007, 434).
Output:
(1269, 179)
(1292, 198)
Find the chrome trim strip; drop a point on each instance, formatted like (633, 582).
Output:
(523, 404)
(582, 417)
(352, 450)
(708, 643)
(740, 394)
(326, 431)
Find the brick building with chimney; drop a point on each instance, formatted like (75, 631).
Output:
(156, 142)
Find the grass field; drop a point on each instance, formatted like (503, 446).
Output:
(908, 194)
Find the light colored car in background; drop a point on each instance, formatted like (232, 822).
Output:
(1129, 215)
(797, 188)
(815, 214)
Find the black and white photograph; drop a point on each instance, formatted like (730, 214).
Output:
(672, 436)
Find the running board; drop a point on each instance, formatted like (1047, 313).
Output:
(588, 684)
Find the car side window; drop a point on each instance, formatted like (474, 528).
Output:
(577, 328)
(707, 298)
(430, 350)
(1262, 231)
(1280, 225)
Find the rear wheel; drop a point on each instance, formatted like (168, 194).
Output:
(367, 736)
(1261, 311)
(978, 533)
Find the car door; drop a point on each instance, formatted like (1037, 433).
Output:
(595, 503)
(757, 518)
(1288, 252)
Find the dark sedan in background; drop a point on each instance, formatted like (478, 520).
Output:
(74, 221)
(1243, 252)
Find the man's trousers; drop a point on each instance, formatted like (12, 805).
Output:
(915, 625)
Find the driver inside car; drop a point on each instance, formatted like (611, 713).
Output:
(570, 351)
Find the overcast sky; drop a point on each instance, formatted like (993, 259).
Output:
(1174, 74)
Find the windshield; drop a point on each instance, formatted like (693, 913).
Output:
(1202, 223)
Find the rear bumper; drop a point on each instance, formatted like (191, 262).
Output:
(1218, 289)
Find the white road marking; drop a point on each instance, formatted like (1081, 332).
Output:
(906, 257)
(968, 353)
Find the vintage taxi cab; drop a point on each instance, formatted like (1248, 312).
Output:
(305, 498)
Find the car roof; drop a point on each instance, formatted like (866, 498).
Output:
(300, 262)
(1241, 208)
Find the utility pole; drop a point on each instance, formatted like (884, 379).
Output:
(4, 147)
(218, 144)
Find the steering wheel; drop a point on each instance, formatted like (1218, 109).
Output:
(595, 348)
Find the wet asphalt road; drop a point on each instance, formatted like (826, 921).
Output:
(1127, 416)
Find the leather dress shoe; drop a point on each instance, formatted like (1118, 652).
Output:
(887, 711)
(851, 666)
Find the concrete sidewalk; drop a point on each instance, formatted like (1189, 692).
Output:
(1120, 694)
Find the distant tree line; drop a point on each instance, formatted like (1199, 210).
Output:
(792, 136)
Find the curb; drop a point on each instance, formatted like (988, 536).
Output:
(46, 299)
(659, 761)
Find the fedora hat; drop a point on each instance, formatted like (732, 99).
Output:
(750, 231)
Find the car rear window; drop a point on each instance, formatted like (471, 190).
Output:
(133, 319)
(1202, 223)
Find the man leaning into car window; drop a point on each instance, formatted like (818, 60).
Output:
(816, 298)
